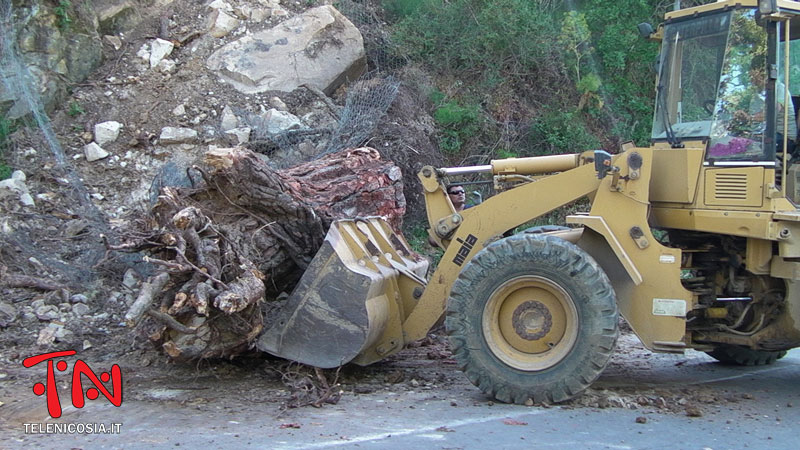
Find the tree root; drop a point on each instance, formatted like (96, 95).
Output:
(244, 236)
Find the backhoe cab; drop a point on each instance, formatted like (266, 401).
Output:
(694, 239)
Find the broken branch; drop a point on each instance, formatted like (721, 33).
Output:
(153, 287)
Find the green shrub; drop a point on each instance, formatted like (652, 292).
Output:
(451, 114)
(75, 109)
(6, 128)
(459, 123)
(623, 61)
(558, 132)
(529, 49)
(504, 154)
(416, 235)
(590, 83)
(502, 38)
(399, 9)
(62, 12)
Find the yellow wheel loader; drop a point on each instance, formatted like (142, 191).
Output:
(695, 239)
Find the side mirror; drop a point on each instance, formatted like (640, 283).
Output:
(645, 29)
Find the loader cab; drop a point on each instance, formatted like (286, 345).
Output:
(723, 78)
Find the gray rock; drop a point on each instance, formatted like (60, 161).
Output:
(278, 121)
(94, 152)
(228, 121)
(159, 49)
(47, 312)
(80, 309)
(130, 280)
(47, 336)
(79, 298)
(16, 186)
(179, 110)
(221, 23)
(106, 132)
(278, 104)
(241, 135)
(320, 47)
(8, 313)
(116, 16)
(173, 135)
(114, 41)
(220, 5)
(75, 227)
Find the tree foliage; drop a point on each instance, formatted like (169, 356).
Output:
(581, 61)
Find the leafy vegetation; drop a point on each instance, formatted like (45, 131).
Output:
(417, 237)
(6, 128)
(75, 109)
(550, 76)
(458, 122)
(62, 12)
(557, 131)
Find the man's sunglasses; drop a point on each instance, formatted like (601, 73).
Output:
(455, 192)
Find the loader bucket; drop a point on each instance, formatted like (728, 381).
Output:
(346, 297)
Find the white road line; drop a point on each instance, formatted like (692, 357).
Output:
(407, 431)
(742, 375)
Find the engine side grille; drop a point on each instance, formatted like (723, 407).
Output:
(730, 186)
(735, 186)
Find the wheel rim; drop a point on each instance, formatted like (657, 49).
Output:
(530, 323)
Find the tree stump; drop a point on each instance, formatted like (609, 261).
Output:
(240, 239)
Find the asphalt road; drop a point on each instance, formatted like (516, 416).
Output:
(766, 416)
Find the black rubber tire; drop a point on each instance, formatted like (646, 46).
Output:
(557, 261)
(743, 356)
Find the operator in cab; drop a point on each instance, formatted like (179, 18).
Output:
(458, 197)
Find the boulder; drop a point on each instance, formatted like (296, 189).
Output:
(320, 48)
(47, 59)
